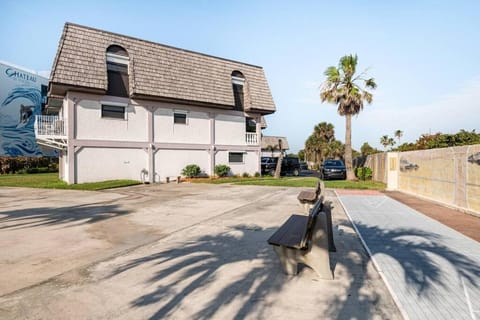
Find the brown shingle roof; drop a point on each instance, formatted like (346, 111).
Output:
(268, 141)
(156, 70)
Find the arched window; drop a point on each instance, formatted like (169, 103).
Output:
(238, 81)
(117, 71)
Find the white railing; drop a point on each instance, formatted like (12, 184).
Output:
(52, 126)
(251, 138)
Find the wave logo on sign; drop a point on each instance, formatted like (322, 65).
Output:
(13, 73)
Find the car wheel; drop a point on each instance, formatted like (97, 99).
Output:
(295, 172)
(271, 172)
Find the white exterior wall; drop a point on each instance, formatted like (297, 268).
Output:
(100, 164)
(169, 163)
(229, 130)
(105, 149)
(197, 129)
(90, 124)
(249, 165)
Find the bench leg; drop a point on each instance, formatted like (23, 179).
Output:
(328, 213)
(318, 257)
(306, 207)
(288, 259)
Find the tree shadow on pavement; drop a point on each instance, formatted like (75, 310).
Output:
(416, 251)
(73, 215)
(196, 264)
(236, 269)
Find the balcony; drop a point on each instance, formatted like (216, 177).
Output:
(50, 131)
(251, 138)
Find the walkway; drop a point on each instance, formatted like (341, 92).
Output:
(432, 270)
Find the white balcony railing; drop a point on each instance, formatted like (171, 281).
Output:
(49, 126)
(251, 138)
(50, 131)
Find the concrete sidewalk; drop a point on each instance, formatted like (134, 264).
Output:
(432, 271)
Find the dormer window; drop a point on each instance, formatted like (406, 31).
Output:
(117, 71)
(238, 81)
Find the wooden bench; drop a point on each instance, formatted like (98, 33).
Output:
(304, 239)
(308, 198)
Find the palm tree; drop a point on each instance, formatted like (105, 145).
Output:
(398, 134)
(272, 148)
(387, 141)
(342, 88)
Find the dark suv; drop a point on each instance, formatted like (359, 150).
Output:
(333, 169)
(289, 166)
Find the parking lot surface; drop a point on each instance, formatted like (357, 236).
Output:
(177, 251)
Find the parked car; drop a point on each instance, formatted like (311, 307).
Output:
(333, 169)
(303, 165)
(289, 166)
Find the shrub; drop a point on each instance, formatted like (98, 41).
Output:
(246, 175)
(222, 170)
(363, 173)
(257, 174)
(23, 164)
(191, 170)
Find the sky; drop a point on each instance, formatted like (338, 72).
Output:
(424, 54)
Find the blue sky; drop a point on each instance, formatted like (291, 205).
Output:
(424, 55)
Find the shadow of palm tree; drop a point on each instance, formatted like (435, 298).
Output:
(196, 264)
(80, 214)
(182, 275)
(415, 251)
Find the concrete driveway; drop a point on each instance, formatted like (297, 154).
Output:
(171, 251)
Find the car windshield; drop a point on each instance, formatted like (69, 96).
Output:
(333, 163)
(269, 159)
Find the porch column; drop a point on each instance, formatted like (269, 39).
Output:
(70, 140)
(212, 152)
(258, 121)
(151, 145)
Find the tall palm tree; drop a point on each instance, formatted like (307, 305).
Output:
(343, 89)
(384, 141)
(398, 134)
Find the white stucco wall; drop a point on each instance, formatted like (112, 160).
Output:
(65, 165)
(99, 164)
(169, 163)
(229, 130)
(250, 164)
(90, 124)
(197, 129)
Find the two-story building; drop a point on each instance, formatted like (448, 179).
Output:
(135, 109)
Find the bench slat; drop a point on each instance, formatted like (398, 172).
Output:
(291, 233)
(307, 196)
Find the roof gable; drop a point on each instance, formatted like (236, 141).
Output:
(156, 70)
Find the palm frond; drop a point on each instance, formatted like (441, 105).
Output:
(332, 74)
(370, 83)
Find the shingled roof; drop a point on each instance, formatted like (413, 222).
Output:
(272, 141)
(157, 71)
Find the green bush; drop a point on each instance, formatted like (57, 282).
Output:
(257, 174)
(24, 164)
(246, 175)
(191, 170)
(363, 173)
(222, 170)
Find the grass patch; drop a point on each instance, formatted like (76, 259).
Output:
(305, 182)
(51, 181)
(364, 185)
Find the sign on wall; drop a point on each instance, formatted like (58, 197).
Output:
(22, 96)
